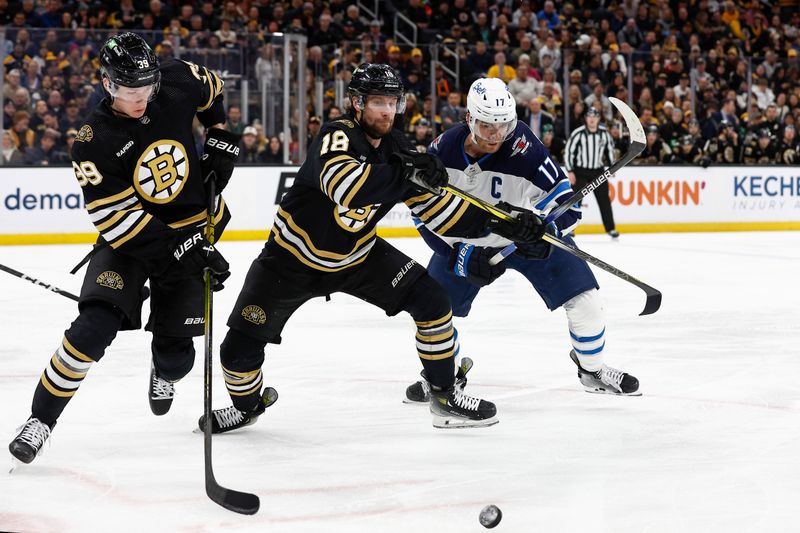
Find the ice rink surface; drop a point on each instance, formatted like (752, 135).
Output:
(711, 446)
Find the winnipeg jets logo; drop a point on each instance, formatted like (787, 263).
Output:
(520, 146)
(161, 171)
(435, 143)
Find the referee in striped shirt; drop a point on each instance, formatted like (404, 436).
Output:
(584, 158)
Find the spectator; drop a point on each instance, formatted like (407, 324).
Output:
(11, 154)
(535, 117)
(46, 153)
(599, 100)
(13, 82)
(250, 151)
(551, 48)
(549, 15)
(789, 147)
(762, 151)
(688, 153)
(479, 60)
(21, 134)
(500, 69)
(724, 148)
(314, 125)
(72, 117)
(656, 151)
(673, 130)
(234, 122)
(56, 103)
(763, 94)
(70, 141)
(453, 112)
(273, 155)
(523, 88)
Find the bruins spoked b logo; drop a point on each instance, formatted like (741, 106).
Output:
(161, 171)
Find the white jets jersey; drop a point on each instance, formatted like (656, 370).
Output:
(521, 173)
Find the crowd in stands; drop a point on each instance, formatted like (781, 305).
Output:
(714, 82)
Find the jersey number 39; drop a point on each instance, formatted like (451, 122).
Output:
(86, 172)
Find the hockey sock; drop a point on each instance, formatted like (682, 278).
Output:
(437, 345)
(84, 343)
(585, 316)
(242, 357)
(173, 357)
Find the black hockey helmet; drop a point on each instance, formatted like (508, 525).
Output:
(764, 133)
(652, 128)
(379, 80)
(128, 61)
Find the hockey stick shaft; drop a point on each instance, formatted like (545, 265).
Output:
(39, 283)
(653, 301)
(238, 502)
(638, 143)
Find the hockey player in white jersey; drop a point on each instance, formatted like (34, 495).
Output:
(498, 159)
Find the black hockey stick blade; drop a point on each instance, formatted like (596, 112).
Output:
(638, 143)
(232, 500)
(653, 301)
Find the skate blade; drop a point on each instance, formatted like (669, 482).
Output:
(15, 463)
(447, 422)
(408, 401)
(597, 390)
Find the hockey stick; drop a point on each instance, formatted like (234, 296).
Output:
(653, 301)
(638, 143)
(233, 500)
(40, 283)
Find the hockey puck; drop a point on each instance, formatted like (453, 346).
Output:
(490, 516)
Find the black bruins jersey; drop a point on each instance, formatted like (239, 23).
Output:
(327, 219)
(141, 178)
(754, 154)
(789, 153)
(721, 151)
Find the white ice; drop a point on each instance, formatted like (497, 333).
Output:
(713, 445)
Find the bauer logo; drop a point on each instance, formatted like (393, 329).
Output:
(657, 192)
(110, 279)
(254, 314)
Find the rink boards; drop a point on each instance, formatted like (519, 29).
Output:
(45, 205)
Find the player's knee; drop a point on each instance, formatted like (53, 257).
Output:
(95, 329)
(585, 312)
(173, 356)
(427, 300)
(240, 352)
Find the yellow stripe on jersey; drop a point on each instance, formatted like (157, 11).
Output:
(435, 338)
(110, 199)
(411, 202)
(56, 362)
(300, 257)
(333, 182)
(300, 232)
(435, 208)
(134, 232)
(330, 162)
(356, 187)
(214, 84)
(116, 218)
(199, 217)
(54, 391)
(453, 219)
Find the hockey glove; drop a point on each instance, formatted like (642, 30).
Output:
(538, 249)
(525, 228)
(194, 254)
(472, 262)
(426, 172)
(219, 154)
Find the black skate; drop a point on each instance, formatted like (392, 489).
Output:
(607, 380)
(420, 392)
(453, 408)
(160, 394)
(29, 441)
(230, 418)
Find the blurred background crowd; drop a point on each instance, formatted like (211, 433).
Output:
(713, 82)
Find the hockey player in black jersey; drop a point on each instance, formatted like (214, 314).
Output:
(144, 187)
(324, 241)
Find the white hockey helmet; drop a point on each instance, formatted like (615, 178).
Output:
(492, 110)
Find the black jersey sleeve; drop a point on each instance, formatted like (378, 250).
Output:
(202, 87)
(115, 209)
(448, 214)
(344, 177)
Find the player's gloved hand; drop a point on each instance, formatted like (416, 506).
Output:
(219, 154)
(538, 249)
(525, 228)
(472, 262)
(426, 172)
(194, 254)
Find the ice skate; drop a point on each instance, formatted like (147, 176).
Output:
(453, 408)
(29, 441)
(161, 393)
(230, 418)
(607, 380)
(420, 392)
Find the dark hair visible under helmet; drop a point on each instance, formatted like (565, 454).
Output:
(128, 61)
(372, 79)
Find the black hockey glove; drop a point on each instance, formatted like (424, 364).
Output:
(426, 172)
(194, 254)
(538, 249)
(525, 228)
(472, 262)
(219, 154)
